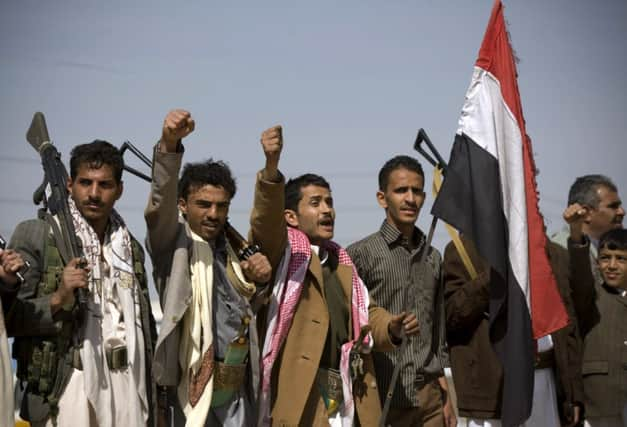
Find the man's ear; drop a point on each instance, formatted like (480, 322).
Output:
(68, 185)
(120, 190)
(182, 203)
(381, 199)
(291, 217)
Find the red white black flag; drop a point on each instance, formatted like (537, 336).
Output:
(490, 195)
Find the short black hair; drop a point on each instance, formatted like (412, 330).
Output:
(398, 162)
(614, 240)
(209, 172)
(584, 189)
(293, 193)
(94, 155)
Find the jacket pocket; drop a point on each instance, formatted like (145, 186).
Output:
(595, 367)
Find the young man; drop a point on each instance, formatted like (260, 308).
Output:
(206, 355)
(389, 263)
(317, 368)
(605, 355)
(558, 388)
(93, 370)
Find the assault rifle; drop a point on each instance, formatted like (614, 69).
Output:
(54, 195)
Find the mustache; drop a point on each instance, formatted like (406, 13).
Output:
(93, 201)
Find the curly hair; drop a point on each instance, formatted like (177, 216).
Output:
(94, 155)
(209, 172)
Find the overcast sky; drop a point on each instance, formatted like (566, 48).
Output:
(350, 81)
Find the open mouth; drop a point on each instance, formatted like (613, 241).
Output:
(326, 223)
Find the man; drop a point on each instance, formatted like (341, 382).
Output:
(317, 366)
(389, 263)
(558, 387)
(10, 263)
(93, 369)
(206, 354)
(598, 196)
(605, 355)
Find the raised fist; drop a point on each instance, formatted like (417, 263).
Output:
(176, 126)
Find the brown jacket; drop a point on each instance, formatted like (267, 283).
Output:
(296, 400)
(476, 370)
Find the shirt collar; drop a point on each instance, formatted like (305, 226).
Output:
(391, 234)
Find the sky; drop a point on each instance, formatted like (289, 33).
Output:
(351, 82)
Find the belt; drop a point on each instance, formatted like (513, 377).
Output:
(117, 358)
(330, 385)
(544, 359)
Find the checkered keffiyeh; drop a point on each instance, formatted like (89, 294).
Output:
(286, 295)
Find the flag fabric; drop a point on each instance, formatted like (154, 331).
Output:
(489, 194)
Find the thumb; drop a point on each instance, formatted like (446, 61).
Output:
(397, 318)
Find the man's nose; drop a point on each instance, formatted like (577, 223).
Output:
(621, 211)
(212, 212)
(613, 263)
(94, 191)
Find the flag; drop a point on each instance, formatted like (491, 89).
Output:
(489, 194)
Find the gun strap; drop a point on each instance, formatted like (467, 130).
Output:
(61, 244)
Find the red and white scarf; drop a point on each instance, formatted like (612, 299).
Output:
(285, 296)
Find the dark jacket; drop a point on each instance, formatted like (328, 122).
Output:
(477, 372)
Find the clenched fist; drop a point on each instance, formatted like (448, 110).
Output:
(176, 126)
(272, 144)
(257, 268)
(575, 216)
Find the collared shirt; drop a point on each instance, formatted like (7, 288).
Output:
(390, 268)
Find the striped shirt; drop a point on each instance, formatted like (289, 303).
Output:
(390, 269)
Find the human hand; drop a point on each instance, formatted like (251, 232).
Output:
(403, 322)
(11, 262)
(272, 144)
(575, 215)
(257, 268)
(74, 276)
(176, 126)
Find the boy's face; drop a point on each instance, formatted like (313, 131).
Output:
(613, 266)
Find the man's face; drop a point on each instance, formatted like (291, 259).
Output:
(206, 209)
(95, 191)
(613, 267)
(315, 216)
(403, 198)
(607, 215)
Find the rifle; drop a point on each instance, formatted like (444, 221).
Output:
(54, 195)
(438, 163)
